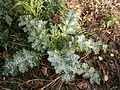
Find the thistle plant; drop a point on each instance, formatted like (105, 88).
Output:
(59, 41)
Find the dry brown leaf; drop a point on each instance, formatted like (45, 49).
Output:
(44, 71)
(114, 51)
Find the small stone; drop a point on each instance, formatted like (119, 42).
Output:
(112, 55)
(106, 77)
(100, 58)
(3, 78)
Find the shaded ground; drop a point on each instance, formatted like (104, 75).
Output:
(44, 77)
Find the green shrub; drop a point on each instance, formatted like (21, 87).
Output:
(59, 41)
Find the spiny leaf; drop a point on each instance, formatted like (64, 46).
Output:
(20, 62)
(8, 19)
(67, 62)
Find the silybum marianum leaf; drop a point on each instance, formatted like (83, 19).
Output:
(20, 62)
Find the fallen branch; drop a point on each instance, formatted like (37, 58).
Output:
(51, 83)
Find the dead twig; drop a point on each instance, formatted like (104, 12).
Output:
(85, 56)
(4, 88)
(51, 83)
(60, 85)
(117, 66)
(37, 80)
